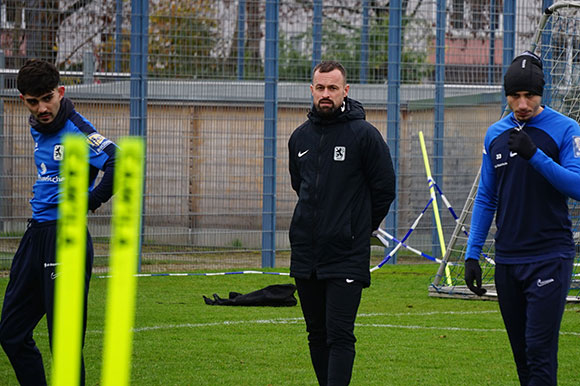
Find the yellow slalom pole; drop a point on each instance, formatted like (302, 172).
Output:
(126, 229)
(70, 259)
(435, 206)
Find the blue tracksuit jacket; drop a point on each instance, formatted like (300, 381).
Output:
(530, 197)
(48, 153)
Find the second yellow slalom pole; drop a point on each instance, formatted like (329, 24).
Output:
(126, 229)
(435, 206)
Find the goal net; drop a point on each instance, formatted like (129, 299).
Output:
(557, 41)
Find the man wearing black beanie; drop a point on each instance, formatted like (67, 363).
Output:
(530, 167)
(525, 73)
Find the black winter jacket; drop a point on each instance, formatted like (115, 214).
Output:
(342, 171)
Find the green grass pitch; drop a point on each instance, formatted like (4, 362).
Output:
(404, 336)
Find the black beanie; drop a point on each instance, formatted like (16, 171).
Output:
(524, 74)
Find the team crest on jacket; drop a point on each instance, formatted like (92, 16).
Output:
(58, 152)
(339, 153)
(576, 146)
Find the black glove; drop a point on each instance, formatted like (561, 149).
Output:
(94, 203)
(473, 273)
(521, 143)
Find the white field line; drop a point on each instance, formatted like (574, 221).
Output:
(300, 320)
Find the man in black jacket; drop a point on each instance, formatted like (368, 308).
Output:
(341, 169)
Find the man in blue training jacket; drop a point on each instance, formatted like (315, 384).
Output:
(530, 167)
(30, 292)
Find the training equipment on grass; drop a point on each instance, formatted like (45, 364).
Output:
(71, 251)
(381, 233)
(557, 42)
(70, 258)
(124, 257)
(432, 193)
(400, 244)
(461, 227)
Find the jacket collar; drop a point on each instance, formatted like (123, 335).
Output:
(350, 110)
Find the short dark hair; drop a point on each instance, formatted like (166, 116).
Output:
(37, 77)
(329, 65)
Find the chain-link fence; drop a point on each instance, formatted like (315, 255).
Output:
(206, 104)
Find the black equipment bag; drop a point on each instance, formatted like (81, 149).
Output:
(277, 295)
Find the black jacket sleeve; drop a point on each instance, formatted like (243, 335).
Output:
(380, 175)
(104, 190)
(293, 167)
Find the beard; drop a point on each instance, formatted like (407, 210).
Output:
(326, 111)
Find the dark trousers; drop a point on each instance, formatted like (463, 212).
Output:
(29, 296)
(329, 308)
(532, 299)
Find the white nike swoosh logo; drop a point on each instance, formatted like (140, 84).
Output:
(542, 283)
(301, 153)
(349, 281)
(512, 154)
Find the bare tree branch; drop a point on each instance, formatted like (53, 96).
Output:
(75, 7)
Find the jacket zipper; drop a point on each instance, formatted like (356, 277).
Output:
(316, 197)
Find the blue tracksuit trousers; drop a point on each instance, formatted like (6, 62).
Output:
(532, 299)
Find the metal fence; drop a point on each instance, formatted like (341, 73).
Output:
(217, 86)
